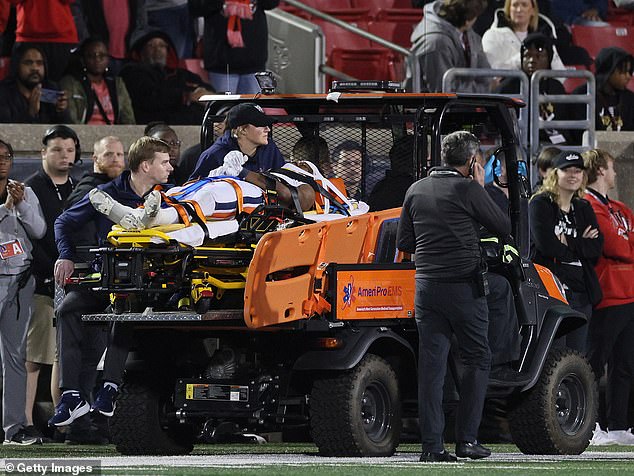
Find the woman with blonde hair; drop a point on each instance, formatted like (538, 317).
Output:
(566, 236)
(511, 25)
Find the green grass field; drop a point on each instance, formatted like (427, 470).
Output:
(290, 459)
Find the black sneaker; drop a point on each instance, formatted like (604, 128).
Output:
(21, 439)
(33, 431)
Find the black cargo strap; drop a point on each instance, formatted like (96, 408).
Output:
(294, 195)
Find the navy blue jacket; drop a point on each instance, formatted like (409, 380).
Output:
(267, 157)
(82, 213)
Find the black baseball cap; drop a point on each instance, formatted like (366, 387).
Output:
(248, 113)
(567, 159)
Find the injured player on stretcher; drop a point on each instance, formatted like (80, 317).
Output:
(216, 201)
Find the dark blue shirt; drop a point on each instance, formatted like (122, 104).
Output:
(75, 218)
(267, 157)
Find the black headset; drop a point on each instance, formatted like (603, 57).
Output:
(64, 132)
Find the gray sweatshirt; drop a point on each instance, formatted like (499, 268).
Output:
(23, 223)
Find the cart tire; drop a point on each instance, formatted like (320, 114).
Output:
(558, 414)
(357, 412)
(139, 425)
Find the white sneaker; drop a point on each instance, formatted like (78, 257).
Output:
(151, 206)
(102, 202)
(600, 437)
(621, 437)
(133, 221)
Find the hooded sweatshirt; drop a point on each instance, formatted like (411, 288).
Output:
(438, 46)
(614, 108)
(159, 93)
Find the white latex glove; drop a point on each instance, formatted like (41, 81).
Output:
(233, 162)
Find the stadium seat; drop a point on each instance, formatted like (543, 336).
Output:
(396, 32)
(337, 37)
(570, 84)
(619, 16)
(364, 64)
(412, 16)
(348, 14)
(376, 5)
(594, 38)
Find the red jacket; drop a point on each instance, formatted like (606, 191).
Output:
(48, 21)
(615, 267)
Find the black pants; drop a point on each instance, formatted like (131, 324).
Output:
(119, 343)
(504, 331)
(611, 338)
(80, 345)
(444, 309)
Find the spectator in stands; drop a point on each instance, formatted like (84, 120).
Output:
(580, 12)
(390, 191)
(315, 150)
(503, 41)
(115, 21)
(347, 164)
(5, 12)
(21, 221)
(160, 90)
(612, 325)
(94, 95)
(614, 102)
(235, 42)
(567, 238)
(26, 96)
(444, 40)
(172, 17)
(544, 162)
(49, 26)
(247, 131)
(537, 54)
(160, 130)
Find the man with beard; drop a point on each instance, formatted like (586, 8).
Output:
(25, 95)
(160, 91)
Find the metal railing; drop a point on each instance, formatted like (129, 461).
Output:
(410, 58)
(452, 74)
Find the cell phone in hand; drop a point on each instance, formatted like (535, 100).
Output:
(49, 95)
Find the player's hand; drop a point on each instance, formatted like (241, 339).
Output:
(63, 270)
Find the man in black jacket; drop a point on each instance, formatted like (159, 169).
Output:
(52, 185)
(159, 89)
(440, 224)
(23, 95)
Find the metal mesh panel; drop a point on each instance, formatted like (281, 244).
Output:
(356, 153)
